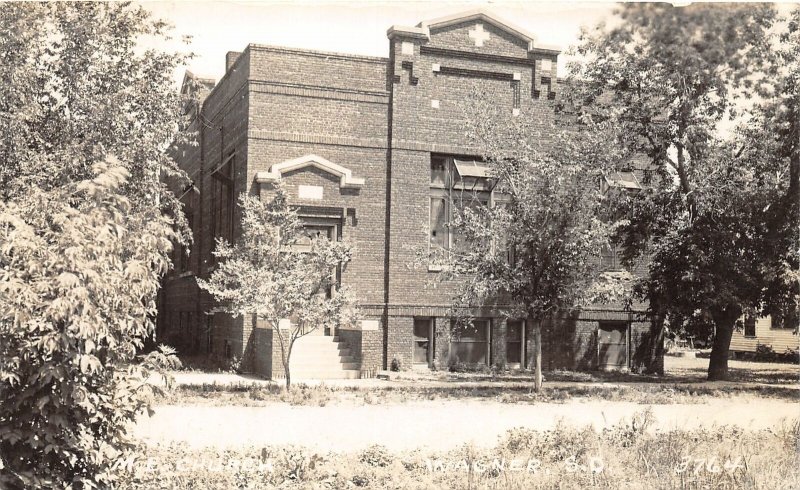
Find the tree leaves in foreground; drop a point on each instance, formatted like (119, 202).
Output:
(669, 78)
(271, 274)
(83, 245)
(78, 86)
(78, 279)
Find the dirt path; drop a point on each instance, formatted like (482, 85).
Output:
(433, 424)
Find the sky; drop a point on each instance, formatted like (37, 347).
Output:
(354, 27)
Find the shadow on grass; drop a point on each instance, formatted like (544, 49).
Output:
(690, 375)
(252, 394)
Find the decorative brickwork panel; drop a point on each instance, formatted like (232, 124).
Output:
(479, 36)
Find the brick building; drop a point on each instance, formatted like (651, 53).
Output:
(362, 144)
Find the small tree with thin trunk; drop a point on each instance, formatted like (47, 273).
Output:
(537, 249)
(269, 273)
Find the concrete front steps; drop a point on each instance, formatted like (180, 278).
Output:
(322, 357)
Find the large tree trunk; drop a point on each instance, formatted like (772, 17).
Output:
(793, 191)
(718, 364)
(537, 355)
(655, 359)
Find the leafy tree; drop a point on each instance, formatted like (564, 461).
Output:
(538, 248)
(83, 243)
(668, 78)
(268, 274)
(771, 141)
(78, 278)
(76, 88)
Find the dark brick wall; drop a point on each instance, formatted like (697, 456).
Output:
(375, 117)
(264, 352)
(366, 347)
(399, 346)
(261, 362)
(640, 352)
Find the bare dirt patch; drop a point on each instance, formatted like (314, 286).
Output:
(433, 424)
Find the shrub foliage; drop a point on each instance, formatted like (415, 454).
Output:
(69, 331)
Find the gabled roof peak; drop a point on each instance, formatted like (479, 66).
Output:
(478, 14)
(423, 29)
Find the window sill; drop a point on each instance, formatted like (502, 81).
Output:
(435, 268)
(185, 274)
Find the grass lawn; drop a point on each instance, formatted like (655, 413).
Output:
(585, 430)
(684, 382)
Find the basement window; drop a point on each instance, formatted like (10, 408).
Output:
(470, 343)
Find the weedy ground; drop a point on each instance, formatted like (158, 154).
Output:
(256, 395)
(627, 455)
(684, 382)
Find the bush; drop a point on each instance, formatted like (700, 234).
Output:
(307, 395)
(375, 455)
(395, 366)
(211, 363)
(78, 292)
(765, 353)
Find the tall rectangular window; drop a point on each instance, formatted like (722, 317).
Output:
(515, 331)
(439, 219)
(455, 186)
(469, 205)
(313, 230)
(750, 326)
(224, 200)
(440, 172)
(610, 259)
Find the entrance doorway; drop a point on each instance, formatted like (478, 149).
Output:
(315, 229)
(612, 345)
(424, 340)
